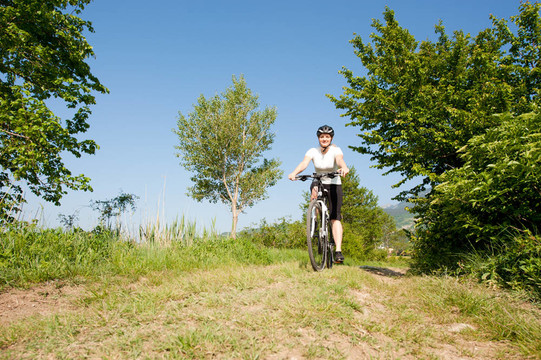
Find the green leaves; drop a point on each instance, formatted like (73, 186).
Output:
(114, 208)
(222, 141)
(366, 224)
(42, 56)
(492, 197)
(461, 115)
(421, 102)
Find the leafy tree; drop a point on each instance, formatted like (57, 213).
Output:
(69, 220)
(365, 223)
(430, 110)
(421, 102)
(114, 208)
(484, 204)
(42, 58)
(222, 141)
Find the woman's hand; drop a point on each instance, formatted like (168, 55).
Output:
(343, 171)
(304, 163)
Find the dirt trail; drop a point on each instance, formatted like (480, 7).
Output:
(60, 298)
(57, 297)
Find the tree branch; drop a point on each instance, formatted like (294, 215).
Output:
(15, 134)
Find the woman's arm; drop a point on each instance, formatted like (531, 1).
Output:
(342, 167)
(303, 165)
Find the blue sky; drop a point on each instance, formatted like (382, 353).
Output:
(158, 58)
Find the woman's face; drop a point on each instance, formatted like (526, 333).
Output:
(325, 140)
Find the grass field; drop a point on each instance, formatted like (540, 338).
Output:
(233, 300)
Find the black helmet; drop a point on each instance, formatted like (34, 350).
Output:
(325, 129)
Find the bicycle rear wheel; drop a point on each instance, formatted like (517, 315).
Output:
(330, 253)
(317, 244)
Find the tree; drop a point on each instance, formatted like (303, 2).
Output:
(114, 208)
(222, 141)
(420, 103)
(460, 113)
(484, 204)
(365, 223)
(69, 220)
(42, 58)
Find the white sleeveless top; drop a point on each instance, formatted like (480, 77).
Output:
(324, 163)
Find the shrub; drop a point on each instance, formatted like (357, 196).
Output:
(357, 245)
(475, 207)
(516, 264)
(282, 234)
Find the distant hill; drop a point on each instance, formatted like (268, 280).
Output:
(403, 218)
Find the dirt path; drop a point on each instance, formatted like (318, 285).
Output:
(57, 297)
(264, 303)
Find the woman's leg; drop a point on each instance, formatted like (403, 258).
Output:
(337, 232)
(336, 214)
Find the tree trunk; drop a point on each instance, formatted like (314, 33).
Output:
(235, 213)
(235, 210)
(234, 226)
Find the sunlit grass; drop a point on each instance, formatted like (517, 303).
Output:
(239, 310)
(181, 231)
(188, 294)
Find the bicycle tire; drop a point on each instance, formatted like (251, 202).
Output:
(330, 255)
(330, 243)
(317, 245)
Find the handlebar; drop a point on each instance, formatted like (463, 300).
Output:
(317, 176)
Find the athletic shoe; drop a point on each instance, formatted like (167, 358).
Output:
(338, 257)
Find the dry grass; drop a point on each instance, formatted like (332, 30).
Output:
(280, 311)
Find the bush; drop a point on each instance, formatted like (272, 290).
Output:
(516, 264)
(475, 207)
(283, 234)
(356, 246)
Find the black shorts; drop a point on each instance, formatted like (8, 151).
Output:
(335, 200)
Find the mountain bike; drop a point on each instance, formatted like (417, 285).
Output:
(318, 225)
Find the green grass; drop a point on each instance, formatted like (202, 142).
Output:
(256, 311)
(31, 255)
(225, 298)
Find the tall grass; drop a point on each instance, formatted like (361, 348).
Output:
(180, 231)
(514, 263)
(30, 254)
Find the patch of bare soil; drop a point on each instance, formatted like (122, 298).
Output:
(42, 300)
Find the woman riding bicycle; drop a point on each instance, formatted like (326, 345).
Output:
(328, 158)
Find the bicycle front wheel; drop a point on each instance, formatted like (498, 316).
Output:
(315, 239)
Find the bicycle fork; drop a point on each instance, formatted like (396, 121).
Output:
(323, 227)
